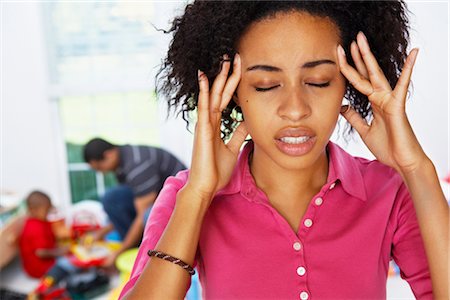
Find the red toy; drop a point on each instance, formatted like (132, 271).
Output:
(82, 223)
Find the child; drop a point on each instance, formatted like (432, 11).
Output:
(40, 254)
(37, 242)
(292, 215)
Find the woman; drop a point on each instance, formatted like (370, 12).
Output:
(293, 215)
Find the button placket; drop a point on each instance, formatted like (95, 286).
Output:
(300, 270)
(308, 223)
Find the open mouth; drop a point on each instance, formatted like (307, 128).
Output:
(295, 141)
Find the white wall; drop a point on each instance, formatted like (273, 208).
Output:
(30, 156)
(429, 108)
(32, 153)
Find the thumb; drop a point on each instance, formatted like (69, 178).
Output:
(238, 138)
(355, 120)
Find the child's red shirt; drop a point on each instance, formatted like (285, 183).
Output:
(36, 234)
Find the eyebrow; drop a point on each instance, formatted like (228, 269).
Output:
(307, 65)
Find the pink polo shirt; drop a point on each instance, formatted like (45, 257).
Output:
(361, 219)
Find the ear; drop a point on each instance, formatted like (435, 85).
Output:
(108, 153)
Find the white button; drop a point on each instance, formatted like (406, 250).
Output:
(319, 201)
(297, 246)
(301, 271)
(308, 222)
(332, 185)
(304, 295)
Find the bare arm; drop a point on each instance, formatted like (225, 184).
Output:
(100, 234)
(211, 168)
(163, 280)
(391, 139)
(423, 185)
(52, 253)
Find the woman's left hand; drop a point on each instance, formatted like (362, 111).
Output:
(389, 136)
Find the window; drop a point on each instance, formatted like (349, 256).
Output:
(102, 60)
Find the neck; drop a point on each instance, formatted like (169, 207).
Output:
(295, 182)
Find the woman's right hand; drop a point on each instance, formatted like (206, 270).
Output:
(213, 160)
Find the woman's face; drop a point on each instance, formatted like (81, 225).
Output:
(291, 88)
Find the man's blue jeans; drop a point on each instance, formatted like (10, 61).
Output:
(118, 203)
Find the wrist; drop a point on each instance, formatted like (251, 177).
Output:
(419, 163)
(423, 167)
(191, 199)
(192, 192)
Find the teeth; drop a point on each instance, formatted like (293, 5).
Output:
(294, 140)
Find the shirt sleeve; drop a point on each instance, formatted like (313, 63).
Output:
(408, 249)
(157, 222)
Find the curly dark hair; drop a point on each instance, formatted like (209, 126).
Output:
(209, 29)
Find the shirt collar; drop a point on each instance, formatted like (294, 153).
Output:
(345, 168)
(342, 167)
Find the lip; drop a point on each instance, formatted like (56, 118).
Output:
(295, 149)
(294, 132)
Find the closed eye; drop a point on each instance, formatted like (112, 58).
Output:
(261, 89)
(319, 85)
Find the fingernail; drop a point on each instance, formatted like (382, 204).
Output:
(225, 58)
(236, 58)
(344, 108)
(363, 35)
(415, 55)
(200, 74)
(341, 50)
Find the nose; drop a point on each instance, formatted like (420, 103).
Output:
(294, 106)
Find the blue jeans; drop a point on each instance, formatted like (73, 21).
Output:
(118, 203)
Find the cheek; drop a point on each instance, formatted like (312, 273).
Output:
(335, 96)
(257, 116)
(242, 93)
(326, 107)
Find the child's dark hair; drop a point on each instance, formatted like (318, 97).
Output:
(209, 29)
(94, 149)
(36, 199)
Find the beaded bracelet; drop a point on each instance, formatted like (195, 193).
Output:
(172, 259)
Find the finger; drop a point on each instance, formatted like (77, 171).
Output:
(376, 75)
(203, 98)
(354, 77)
(402, 85)
(218, 86)
(355, 120)
(232, 83)
(357, 59)
(238, 138)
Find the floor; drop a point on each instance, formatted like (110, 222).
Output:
(12, 278)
